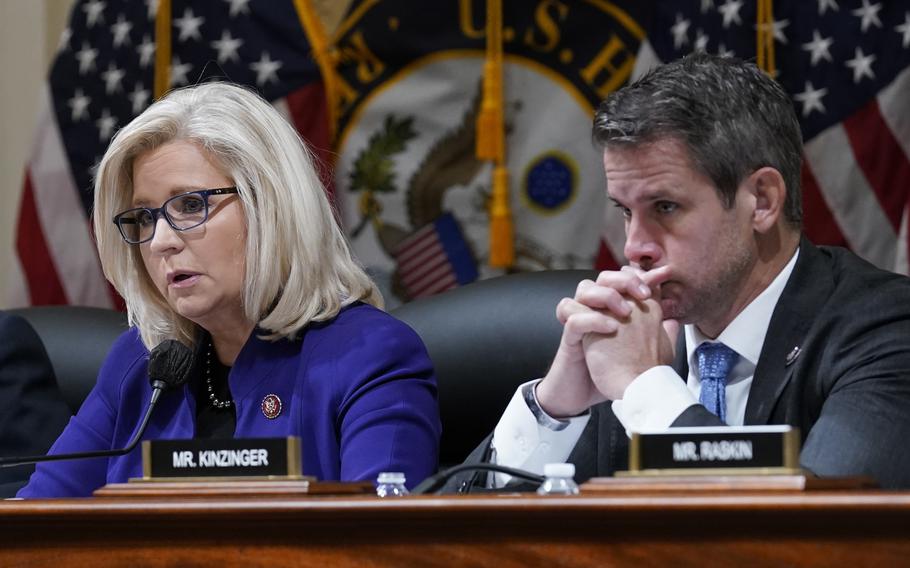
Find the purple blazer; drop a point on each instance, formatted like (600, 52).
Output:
(359, 390)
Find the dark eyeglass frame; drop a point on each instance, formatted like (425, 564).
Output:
(123, 218)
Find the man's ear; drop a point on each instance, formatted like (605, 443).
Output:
(770, 192)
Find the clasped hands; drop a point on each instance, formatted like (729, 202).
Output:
(613, 330)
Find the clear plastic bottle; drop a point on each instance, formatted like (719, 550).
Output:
(391, 484)
(559, 480)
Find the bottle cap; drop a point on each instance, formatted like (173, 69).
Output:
(390, 477)
(559, 470)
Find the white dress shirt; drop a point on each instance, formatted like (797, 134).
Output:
(654, 400)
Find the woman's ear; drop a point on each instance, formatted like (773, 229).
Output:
(770, 192)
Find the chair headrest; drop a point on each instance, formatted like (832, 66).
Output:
(485, 339)
(77, 340)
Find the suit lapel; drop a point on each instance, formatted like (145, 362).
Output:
(807, 290)
(585, 455)
(680, 361)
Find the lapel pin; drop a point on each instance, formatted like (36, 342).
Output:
(271, 406)
(793, 355)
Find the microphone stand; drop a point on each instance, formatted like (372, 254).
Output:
(435, 482)
(157, 388)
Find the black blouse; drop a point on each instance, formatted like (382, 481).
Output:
(212, 422)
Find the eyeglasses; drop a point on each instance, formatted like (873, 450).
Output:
(182, 212)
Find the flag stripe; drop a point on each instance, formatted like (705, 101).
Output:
(819, 223)
(894, 104)
(440, 287)
(62, 216)
(431, 252)
(849, 196)
(419, 252)
(438, 265)
(34, 256)
(409, 241)
(901, 260)
(434, 286)
(434, 276)
(307, 108)
(880, 158)
(432, 264)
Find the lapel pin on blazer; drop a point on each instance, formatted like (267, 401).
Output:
(793, 355)
(271, 406)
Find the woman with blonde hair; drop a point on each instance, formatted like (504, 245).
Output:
(223, 239)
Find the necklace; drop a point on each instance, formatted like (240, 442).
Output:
(209, 383)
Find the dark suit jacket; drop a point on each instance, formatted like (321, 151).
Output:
(32, 411)
(848, 390)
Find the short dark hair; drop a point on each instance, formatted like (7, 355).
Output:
(731, 116)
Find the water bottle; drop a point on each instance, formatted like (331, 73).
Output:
(391, 484)
(559, 480)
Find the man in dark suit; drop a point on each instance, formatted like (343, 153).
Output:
(725, 313)
(32, 412)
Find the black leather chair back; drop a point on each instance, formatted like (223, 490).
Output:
(77, 340)
(485, 339)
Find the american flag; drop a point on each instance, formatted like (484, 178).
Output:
(845, 63)
(435, 258)
(102, 77)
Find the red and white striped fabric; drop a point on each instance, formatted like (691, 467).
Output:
(58, 263)
(422, 262)
(858, 175)
(435, 258)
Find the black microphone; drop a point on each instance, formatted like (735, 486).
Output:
(435, 482)
(170, 366)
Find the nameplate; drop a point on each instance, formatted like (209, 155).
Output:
(208, 458)
(731, 450)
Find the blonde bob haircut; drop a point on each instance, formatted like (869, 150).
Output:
(298, 266)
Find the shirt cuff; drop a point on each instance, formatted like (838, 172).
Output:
(529, 393)
(520, 441)
(653, 400)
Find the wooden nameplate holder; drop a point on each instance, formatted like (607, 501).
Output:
(724, 483)
(228, 468)
(236, 487)
(729, 458)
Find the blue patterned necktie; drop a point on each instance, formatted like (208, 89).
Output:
(714, 363)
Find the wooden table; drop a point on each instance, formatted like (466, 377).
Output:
(847, 528)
